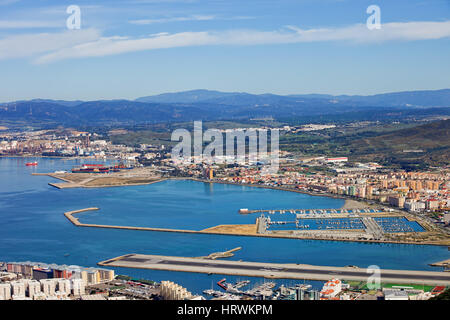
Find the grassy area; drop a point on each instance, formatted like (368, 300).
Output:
(117, 287)
(414, 286)
(361, 285)
(127, 278)
(379, 143)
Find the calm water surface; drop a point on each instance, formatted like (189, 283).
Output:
(33, 227)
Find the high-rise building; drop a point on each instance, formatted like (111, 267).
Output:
(173, 291)
(64, 287)
(211, 174)
(18, 288)
(432, 204)
(369, 191)
(5, 291)
(106, 275)
(48, 286)
(419, 185)
(362, 192)
(78, 287)
(33, 288)
(396, 201)
(93, 276)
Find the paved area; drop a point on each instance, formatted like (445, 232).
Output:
(272, 270)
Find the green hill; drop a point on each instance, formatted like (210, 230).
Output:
(395, 147)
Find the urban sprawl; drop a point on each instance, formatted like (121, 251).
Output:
(375, 192)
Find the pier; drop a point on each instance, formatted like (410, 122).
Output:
(272, 270)
(311, 213)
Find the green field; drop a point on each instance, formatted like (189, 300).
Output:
(360, 285)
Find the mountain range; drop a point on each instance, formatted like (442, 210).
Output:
(216, 105)
(425, 98)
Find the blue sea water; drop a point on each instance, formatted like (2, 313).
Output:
(33, 227)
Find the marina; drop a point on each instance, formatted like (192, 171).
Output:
(328, 230)
(314, 212)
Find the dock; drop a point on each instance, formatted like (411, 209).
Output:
(272, 270)
(312, 213)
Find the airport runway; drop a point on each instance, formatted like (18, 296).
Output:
(273, 270)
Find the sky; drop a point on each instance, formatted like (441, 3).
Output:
(129, 49)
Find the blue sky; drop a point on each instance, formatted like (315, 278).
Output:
(128, 49)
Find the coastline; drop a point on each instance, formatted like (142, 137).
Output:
(349, 203)
(71, 184)
(432, 235)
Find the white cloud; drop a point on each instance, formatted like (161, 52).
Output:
(30, 45)
(112, 45)
(401, 31)
(91, 44)
(174, 19)
(188, 18)
(26, 24)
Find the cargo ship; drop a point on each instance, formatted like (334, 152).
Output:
(31, 164)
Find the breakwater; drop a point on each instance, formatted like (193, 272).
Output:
(76, 222)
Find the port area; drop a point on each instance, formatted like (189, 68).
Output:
(132, 177)
(262, 229)
(271, 270)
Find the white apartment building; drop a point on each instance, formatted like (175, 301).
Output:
(5, 291)
(64, 287)
(78, 287)
(18, 288)
(48, 286)
(33, 288)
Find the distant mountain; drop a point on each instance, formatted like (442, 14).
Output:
(32, 110)
(191, 96)
(424, 98)
(60, 102)
(215, 105)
